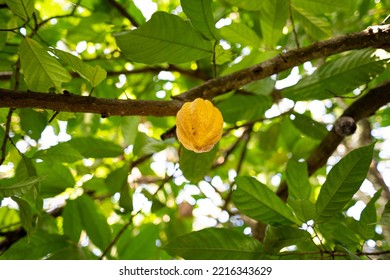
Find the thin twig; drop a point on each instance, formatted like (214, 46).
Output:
(293, 25)
(123, 12)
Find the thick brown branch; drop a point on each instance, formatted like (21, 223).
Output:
(360, 109)
(375, 37)
(87, 104)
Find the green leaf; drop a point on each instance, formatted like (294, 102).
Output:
(240, 33)
(368, 218)
(244, 107)
(201, 16)
(304, 209)
(164, 38)
(57, 178)
(273, 18)
(72, 224)
(315, 26)
(129, 128)
(309, 127)
(340, 76)
(385, 218)
(215, 244)
(145, 145)
(33, 122)
(21, 8)
(276, 238)
(9, 218)
(253, 5)
(41, 70)
(320, 7)
(342, 182)
(21, 187)
(196, 165)
(221, 55)
(26, 214)
(91, 147)
(139, 247)
(298, 180)
(260, 203)
(93, 221)
(93, 74)
(62, 152)
(117, 178)
(41, 245)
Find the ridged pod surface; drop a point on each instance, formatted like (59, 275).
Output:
(199, 125)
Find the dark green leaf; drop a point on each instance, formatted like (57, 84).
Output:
(201, 16)
(33, 122)
(215, 244)
(164, 38)
(26, 214)
(91, 147)
(72, 223)
(196, 165)
(309, 127)
(117, 178)
(260, 203)
(342, 182)
(41, 70)
(385, 218)
(145, 145)
(20, 188)
(62, 152)
(315, 26)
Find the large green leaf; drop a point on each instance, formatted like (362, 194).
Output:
(273, 18)
(385, 218)
(368, 218)
(201, 16)
(91, 147)
(196, 165)
(342, 182)
(26, 213)
(93, 74)
(240, 33)
(277, 238)
(215, 244)
(33, 122)
(62, 152)
(93, 221)
(41, 70)
(340, 76)
(257, 201)
(21, 8)
(164, 38)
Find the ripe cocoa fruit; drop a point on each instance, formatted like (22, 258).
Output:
(199, 125)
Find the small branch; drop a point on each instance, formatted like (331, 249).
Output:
(293, 25)
(123, 12)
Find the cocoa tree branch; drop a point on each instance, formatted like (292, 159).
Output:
(362, 108)
(375, 37)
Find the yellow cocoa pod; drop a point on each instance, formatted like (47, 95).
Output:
(199, 125)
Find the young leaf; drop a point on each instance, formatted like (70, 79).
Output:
(21, 8)
(215, 244)
(201, 16)
(260, 203)
(93, 74)
(41, 70)
(273, 18)
(340, 76)
(196, 165)
(297, 180)
(164, 38)
(343, 181)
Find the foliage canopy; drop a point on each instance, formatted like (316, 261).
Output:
(90, 164)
